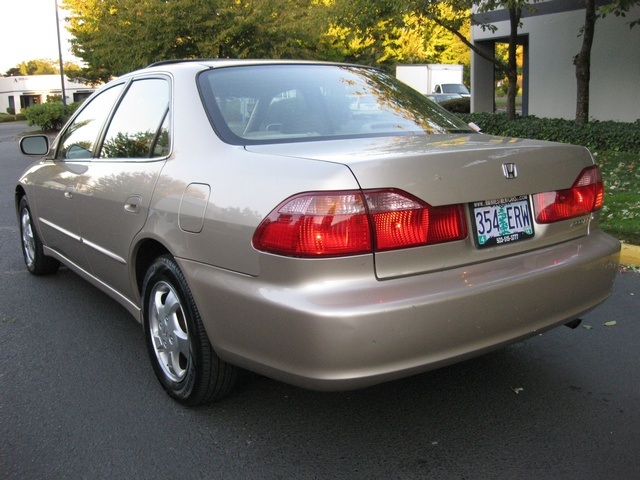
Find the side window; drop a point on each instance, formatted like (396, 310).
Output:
(140, 126)
(161, 147)
(81, 136)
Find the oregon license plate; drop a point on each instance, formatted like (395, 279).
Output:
(502, 221)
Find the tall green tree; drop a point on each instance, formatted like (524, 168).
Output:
(582, 60)
(515, 9)
(117, 36)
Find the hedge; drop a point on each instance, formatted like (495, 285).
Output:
(4, 117)
(596, 135)
(49, 116)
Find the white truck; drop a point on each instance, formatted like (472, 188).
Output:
(433, 78)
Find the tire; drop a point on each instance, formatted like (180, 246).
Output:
(34, 258)
(179, 349)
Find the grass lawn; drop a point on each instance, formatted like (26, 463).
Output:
(620, 215)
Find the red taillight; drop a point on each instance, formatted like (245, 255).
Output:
(585, 196)
(329, 224)
(316, 225)
(402, 221)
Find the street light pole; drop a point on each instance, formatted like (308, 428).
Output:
(64, 94)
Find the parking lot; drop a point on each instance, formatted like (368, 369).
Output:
(78, 398)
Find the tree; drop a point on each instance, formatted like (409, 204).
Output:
(515, 8)
(582, 60)
(117, 36)
(39, 66)
(271, 29)
(364, 13)
(515, 14)
(411, 38)
(44, 67)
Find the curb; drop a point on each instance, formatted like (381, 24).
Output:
(630, 255)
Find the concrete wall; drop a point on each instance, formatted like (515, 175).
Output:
(553, 42)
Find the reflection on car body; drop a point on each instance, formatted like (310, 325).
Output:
(321, 224)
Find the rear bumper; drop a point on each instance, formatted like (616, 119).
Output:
(347, 330)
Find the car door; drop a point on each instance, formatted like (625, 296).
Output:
(56, 184)
(116, 188)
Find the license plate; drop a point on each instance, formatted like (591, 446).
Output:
(502, 221)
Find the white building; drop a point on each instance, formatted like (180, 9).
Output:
(17, 93)
(550, 39)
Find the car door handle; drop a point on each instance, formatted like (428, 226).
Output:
(68, 193)
(132, 205)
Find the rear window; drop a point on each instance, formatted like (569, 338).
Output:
(283, 103)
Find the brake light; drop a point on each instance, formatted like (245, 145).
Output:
(329, 224)
(584, 197)
(315, 225)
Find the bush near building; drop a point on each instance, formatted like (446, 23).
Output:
(49, 116)
(11, 117)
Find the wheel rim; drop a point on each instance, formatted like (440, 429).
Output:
(168, 330)
(28, 238)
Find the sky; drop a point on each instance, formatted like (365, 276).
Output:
(29, 32)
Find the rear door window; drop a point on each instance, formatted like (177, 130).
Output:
(140, 125)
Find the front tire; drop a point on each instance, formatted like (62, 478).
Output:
(32, 250)
(179, 349)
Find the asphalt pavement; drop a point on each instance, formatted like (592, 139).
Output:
(79, 400)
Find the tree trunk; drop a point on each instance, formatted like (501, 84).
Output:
(582, 61)
(512, 65)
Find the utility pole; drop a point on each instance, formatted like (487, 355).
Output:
(64, 95)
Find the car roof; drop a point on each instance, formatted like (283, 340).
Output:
(224, 62)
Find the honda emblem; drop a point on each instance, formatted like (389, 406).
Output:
(510, 171)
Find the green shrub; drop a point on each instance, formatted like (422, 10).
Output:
(11, 118)
(596, 135)
(48, 116)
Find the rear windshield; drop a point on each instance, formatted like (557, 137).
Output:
(261, 104)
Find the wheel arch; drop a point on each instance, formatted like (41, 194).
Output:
(19, 193)
(147, 251)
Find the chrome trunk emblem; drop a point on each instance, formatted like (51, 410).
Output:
(510, 171)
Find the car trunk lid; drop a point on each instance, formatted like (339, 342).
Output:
(455, 169)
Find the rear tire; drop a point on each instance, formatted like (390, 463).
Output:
(32, 251)
(179, 349)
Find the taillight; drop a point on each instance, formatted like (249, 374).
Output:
(585, 196)
(401, 220)
(316, 225)
(329, 224)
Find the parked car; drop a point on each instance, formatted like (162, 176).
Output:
(458, 88)
(250, 218)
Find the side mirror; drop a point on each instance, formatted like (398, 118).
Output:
(34, 145)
